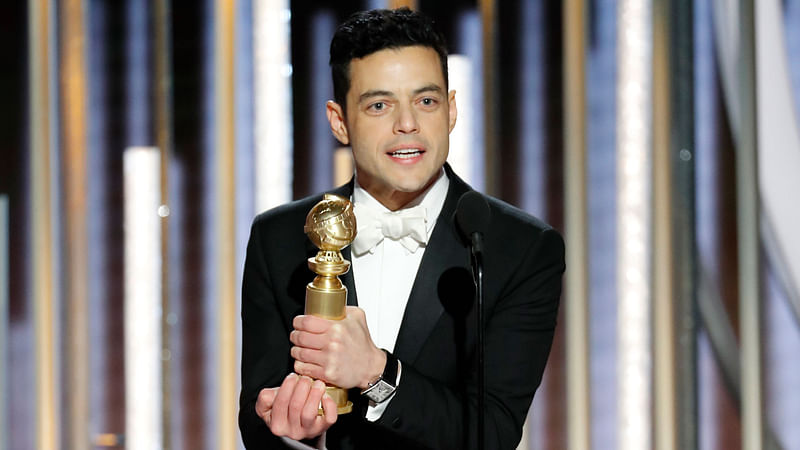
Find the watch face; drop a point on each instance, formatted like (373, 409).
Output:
(380, 392)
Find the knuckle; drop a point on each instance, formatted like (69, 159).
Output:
(308, 417)
(278, 428)
(336, 332)
(295, 408)
(330, 419)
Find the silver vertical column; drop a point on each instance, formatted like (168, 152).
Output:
(682, 220)
(273, 126)
(634, 217)
(664, 376)
(748, 236)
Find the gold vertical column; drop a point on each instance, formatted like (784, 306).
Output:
(224, 15)
(163, 129)
(490, 90)
(73, 108)
(664, 371)
(40, 69)
(749, 245)
(576, 220)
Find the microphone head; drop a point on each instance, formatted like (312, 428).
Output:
(472, 214)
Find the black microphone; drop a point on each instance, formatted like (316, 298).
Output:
(472, 217)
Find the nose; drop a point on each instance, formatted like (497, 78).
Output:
(406, 121)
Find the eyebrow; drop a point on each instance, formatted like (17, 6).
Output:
(429, 88)
(374, 93)
(382, 93)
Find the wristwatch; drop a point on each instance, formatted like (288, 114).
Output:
(380, 390)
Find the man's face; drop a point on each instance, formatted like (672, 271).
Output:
(398, 122)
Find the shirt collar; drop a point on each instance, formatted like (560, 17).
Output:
(432, 199)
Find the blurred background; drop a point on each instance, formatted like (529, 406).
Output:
(140, 138)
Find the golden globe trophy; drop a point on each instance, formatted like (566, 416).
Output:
(331, 226)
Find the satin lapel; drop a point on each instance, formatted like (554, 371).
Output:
(346, 191)
(348, 280)
(445, 251)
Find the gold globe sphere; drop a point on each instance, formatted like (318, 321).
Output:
(331, 223)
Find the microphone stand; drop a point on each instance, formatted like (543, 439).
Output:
(477, 267)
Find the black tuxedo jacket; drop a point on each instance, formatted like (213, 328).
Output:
(435, 404)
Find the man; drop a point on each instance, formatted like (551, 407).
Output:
(411, 323)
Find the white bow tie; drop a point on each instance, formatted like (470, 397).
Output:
(408, 226)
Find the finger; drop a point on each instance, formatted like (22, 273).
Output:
(308, 355)
(308, 340)
(266, 397)
(296, 405)
(330, 411)
(311, 324)
(311, 409)
(279, 423)
(356, 312)
(310, 370)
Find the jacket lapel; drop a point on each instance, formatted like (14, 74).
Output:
(445, 250)
(346, 191)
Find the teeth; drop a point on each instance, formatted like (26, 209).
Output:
(406, 153)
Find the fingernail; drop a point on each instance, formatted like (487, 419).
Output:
(292, 375)
(319, 385)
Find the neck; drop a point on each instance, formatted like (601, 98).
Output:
(394, 200)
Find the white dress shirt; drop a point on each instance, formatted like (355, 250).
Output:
(385, 275)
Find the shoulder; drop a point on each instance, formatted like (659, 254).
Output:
(286, 215)
(518, 232)
(294, 212)
(506, 217)
(510, 228)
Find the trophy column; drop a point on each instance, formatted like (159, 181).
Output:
(331, 226)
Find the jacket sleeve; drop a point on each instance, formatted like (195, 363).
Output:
(519, 333)
(265, 344)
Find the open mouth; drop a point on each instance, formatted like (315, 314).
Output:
(406, 153)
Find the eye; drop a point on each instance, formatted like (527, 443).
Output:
(428, 101)
(377, 106)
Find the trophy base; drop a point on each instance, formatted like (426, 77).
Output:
(339, 395)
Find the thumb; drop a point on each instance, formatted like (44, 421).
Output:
(265, 400)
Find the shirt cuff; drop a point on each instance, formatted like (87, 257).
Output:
(375, 410)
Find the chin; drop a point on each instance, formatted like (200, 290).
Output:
(411, 187)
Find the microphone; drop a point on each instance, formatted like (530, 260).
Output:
(472, 218)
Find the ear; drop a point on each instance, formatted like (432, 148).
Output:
(336, 119)
(453, 111)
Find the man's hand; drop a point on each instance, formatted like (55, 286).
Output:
(340, 352)
(291, 409)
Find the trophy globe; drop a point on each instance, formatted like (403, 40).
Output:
(331, 226)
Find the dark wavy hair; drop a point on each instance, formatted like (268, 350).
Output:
(367, 32)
